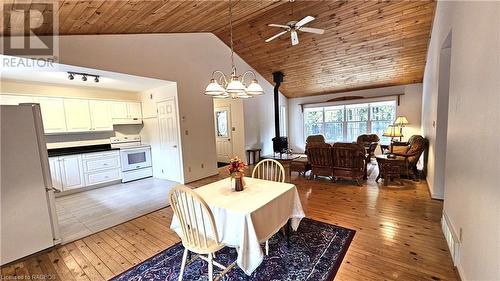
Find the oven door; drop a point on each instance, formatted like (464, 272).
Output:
(135, 158)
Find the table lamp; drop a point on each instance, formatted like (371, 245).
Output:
(392, 132)
(401, 121)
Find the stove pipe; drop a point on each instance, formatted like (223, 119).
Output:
(280, 144)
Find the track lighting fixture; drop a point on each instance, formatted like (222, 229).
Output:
(71, 76)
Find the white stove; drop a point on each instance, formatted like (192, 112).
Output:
(135, 157)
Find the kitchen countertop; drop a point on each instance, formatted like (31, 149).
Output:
(79, 149)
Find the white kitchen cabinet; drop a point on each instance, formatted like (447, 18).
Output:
(71, 171)
(134, 110)
(55, 172)
(77, 115)
(53, 114)
(100, 112)
(14, 99)
(126, 112)
(119, 110)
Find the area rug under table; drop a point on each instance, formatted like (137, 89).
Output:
(315, 252)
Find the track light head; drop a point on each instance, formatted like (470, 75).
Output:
(84, 78)
(71, 77)
(96, 79)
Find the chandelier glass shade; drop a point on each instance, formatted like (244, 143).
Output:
(233, 85)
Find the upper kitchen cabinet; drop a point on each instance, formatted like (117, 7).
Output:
(134, 110)
(100, 112)
(53, 114)
(77, 115)
(14, 99)
(126, 112)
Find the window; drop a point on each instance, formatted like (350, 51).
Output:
(346, 122)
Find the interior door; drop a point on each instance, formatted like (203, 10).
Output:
(169, 141)
(223, 133)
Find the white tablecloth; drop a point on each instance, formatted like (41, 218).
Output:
(247, 218)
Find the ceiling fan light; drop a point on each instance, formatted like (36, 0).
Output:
(235, 86)
(214, 89)
(254, 88)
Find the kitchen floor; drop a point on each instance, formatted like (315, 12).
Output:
(82, 214)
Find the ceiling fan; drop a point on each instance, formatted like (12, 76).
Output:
(293, 27)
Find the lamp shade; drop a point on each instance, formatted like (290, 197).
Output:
(392, 132)
(235, 86)
(254, 88)
(401, 121)
(214, 89)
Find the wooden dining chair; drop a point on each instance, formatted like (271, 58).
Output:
(270, 170)
(199, 232)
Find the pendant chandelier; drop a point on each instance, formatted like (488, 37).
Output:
(233, 85)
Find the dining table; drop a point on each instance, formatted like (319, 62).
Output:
(245, 219)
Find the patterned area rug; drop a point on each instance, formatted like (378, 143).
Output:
(315, 252)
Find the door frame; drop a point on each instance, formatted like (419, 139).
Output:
(179, 139)
(229, 129)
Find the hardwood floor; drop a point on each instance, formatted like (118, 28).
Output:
(398, 235)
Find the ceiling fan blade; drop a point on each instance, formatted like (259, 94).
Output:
(304, 21)
(279, 25)
(312, 30)
(295, 37)
(276, 36)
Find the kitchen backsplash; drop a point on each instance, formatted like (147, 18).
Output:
(119, 130)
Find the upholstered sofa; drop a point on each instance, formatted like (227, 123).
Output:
(342, 160)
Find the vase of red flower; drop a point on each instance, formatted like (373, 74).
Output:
(237, 172)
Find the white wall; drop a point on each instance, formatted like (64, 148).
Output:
(410, 106)
(188, 59)
(472, 174)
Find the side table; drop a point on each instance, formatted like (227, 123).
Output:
(253, 156)
(389, 168)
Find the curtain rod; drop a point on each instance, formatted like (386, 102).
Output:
(347, 98)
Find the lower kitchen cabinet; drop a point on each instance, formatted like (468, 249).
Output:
(81, 170)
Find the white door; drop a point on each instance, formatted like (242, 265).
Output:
(53, 114)
(134, 110)
(55, 172)
(119, 110)
(169, 141)
(77, 115)
(14, 100)
(100, 112)
(71, 171)
(223, 133)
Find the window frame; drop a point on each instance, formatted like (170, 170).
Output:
(345, 121)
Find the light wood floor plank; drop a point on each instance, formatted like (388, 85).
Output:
(398, 234)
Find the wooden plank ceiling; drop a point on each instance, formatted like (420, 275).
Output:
(366, 44)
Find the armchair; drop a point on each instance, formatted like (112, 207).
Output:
(320, 157)
(303, 164)
(348, 161)
(370, 143)
(411, 151)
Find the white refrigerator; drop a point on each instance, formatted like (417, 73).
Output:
(27, 204)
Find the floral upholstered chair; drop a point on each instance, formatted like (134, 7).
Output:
(411, 151)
